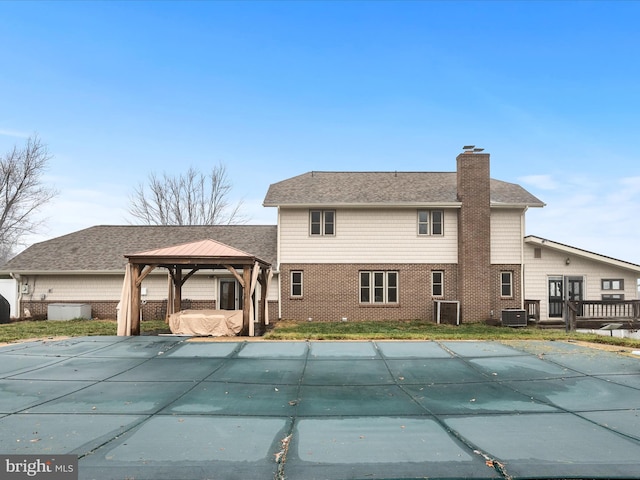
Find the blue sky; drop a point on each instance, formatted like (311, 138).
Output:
(274, 89)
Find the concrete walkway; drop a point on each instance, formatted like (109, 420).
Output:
(168, 408)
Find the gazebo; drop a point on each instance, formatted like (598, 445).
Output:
(182, 261)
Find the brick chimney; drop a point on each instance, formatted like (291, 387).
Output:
(474, 234)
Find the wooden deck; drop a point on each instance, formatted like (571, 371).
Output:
(590, 314)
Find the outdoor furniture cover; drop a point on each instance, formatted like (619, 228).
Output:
(215, 323)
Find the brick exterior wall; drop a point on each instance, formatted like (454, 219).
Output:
(273, 307)
(152, 310)
(108, 310)
(474, 237)
(332, 291)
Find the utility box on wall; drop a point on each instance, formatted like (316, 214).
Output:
(68, 311)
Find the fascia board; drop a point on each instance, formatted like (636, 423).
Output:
(95, 272)
(63, 272)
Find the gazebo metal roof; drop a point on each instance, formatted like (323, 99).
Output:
(204, 253)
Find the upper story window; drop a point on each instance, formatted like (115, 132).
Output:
(506, 284)
(430, 222)
(378, 287)
(322, 222)
(612, 284)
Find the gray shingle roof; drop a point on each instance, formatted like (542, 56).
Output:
(102, 248)
(380, 188)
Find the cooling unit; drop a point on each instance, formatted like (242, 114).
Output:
(514, 318)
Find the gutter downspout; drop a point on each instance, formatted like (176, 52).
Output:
(17, 277)
(522, 231)
(278, 242)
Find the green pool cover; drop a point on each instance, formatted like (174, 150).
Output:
(170, 408)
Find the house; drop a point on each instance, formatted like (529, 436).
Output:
(387, 245)
(350, 246)
(88, 266)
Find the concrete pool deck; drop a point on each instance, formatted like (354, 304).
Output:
(170, 408)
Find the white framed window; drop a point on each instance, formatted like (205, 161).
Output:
(437, 283)
(612, 284)
(613, 296)
(506, 284)
(430, 222)
(296, 283)
(322, 222)
(379, 287)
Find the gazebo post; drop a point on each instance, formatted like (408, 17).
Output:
(135, 299)
(263, 301)
(177, 285)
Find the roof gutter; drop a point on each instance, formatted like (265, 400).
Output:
(516, 205)
(366, 205)
(17, 275)
(399, 205)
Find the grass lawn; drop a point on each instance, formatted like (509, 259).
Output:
(42, 329)
(421, 330)
(290, 330)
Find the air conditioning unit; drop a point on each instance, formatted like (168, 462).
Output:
(25, 288)
(514, 318)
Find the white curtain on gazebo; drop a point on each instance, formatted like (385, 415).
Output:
(124, 307)
(170, 296)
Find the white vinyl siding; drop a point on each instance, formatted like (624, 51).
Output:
(61, 288)
(67, 288)
(506, 236)
(367, 236)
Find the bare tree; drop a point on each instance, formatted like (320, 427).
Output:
(22, 193)
(191, 198)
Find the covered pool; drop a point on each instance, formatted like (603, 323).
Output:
(171, 408)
